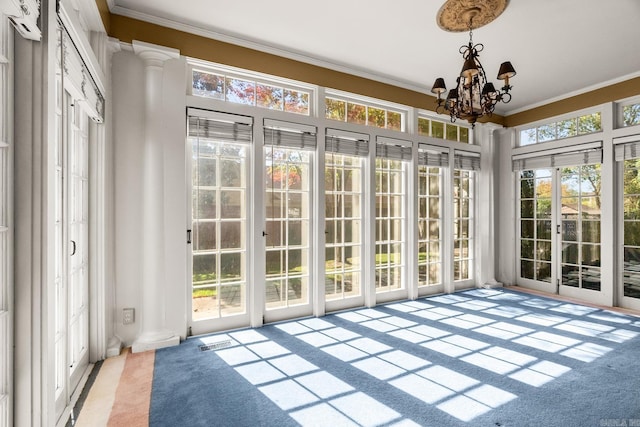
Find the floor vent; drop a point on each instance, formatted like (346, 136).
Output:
(215, 345)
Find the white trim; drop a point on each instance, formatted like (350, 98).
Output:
(558, 150)
(339, 133)
(291, 126)
(219, 116)
(560, 145)
(626, 139)
(393, 141)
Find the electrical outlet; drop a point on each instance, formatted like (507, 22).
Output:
(128, 316)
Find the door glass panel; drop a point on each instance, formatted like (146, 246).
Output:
(343, 227)
(631, 223)
(535, 224)
(580, 213)
(78, 223)
(390, 200)
(463, 254)
(219, 228)
(288, 205)
(429, 225)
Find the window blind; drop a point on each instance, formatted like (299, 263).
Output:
(432, 155)
(393, 149)
(292, 135)
(219, 126)
(582, 157)
(76, 77)
(466, 160)
(627, 151)
(348, 143)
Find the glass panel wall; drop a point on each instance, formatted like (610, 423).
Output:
(429, 225)
(219, 182)
(343, 216)
(580, 216)
(631, 227)
(288, 239)
(463, 224)
(390, 219)
(535, 224)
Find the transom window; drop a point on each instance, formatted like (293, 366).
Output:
(248, 91)
(361, 113)
(631, 114)
(441, 130)
(581, 125)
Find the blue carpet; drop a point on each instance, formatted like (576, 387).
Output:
(474, 358)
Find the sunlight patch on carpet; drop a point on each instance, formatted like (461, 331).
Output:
(448, 378)
(324, 385)
(421, 388)
(378, 368)
(259, 373)
(365, 410)
(293, 365)
(344, 352)
(248, 336)
(404, 360)
(463, 408)
(237, 355)
(321, 415)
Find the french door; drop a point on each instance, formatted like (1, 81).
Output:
(344, 219)
(629, 218)
(288, 227)
(71, 248)
(559, 230)
(218, 147)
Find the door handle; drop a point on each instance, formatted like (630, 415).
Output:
(188, 237)
(558, 229)
(73, 251)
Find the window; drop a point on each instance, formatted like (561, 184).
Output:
(391, 176)
(631, 115)
(429, 225)
(465, 165)
(248, 91)
(441, 130)
(219, 216)
(535, 224)
(628, 156)
(581, 125)
(343, 216)
(580, 216)
(363, 114)
(288, 160)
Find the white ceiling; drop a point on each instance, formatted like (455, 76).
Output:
(558, 47)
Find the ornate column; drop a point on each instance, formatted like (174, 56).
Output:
(154, 333)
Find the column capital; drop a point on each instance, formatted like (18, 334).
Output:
(154, 55)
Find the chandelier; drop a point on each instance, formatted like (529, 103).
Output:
(474, 95)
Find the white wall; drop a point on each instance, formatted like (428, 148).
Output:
(128, 118)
